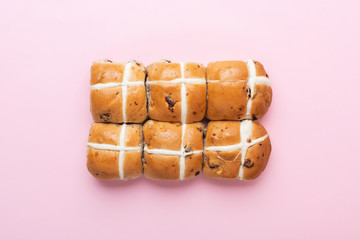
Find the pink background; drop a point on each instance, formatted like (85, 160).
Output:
(311, 187)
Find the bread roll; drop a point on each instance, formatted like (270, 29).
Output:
(115, 151)
(176, 91)
(235, 149)
(237, 90)
(118, 92)
(172, 150)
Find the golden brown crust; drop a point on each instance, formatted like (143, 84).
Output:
(105, 72)
(162, 135)
(257, 130)
(193, 165)
(168, 136)
(256, 159)
(196, 102)
(194, 70)
(257, 155)
(139, 72)
(165, 102)
(163, 71)
(222, 133)
(227, 70)
(261, 101)
(104, 164)
(161, 167)
(260, 70)
(193, 137)
(226, 164)
(106, 103)
(104, 133)
(222, 164)
(136, 111)
(165, 99)
(132, 165)
(227, 99)
(133, 137)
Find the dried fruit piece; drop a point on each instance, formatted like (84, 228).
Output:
(187, 148)
(212, 164)
(105, 116)
(171, 103)
(248, 163)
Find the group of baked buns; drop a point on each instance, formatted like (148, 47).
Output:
(152, 120)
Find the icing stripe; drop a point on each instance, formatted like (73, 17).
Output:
(126, 77)
(258, 140)
(183, 95)
(227, 148)
(182, 152)
(250, 85)
(110, 147)
(183, 121)
(252, 81)
(179, 80)
(169, 152)
(258, 80)
(245, 134)
(210, 81)
(115, 84)
(122, 153)
(262, 80)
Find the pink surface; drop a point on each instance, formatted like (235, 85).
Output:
(311, 187)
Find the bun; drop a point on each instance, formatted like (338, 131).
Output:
(114, 151)
(176, 92)
(236, 149)
(118, 92)
(237, 90)
(172, 150)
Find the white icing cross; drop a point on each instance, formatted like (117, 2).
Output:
(181, 153)
(121, 148)
(124, 86)
(182, 80)
(250, 83)
(243, 146)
